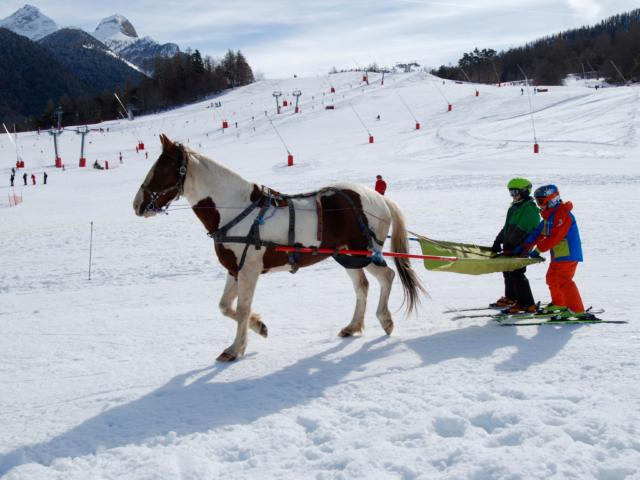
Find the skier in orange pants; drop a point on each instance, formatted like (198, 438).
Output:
(564, 291)
(558, 232)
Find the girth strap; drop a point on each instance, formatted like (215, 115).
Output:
(293, 256)
(222, 231)
(253, 237)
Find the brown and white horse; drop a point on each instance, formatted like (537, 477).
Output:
(247, 222)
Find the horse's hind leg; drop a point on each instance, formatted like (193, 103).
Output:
(246, 286)
(361, 286)
(385, 276)
(226, 307)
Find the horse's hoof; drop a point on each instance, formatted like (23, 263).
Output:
(226, 357)
(388, 329)
(348, 332)
(263, 332)
(257, 325)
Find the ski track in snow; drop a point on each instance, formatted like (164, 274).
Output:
(115, 377)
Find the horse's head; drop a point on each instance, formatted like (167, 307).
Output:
(164, 182)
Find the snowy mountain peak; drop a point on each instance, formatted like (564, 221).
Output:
(29, 22)
(116, 32)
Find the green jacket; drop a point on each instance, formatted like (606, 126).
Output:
(522, 218)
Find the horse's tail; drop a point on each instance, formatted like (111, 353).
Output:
(411, 284)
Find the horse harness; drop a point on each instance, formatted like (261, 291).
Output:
(178, 187)
(264, 202)
(269, 198)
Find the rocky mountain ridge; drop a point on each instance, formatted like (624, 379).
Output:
(29, 22)
(116, 32)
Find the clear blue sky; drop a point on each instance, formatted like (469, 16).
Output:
(283, 37)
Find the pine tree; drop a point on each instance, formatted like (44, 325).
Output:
(197, 63)
(229, 67)
(243, 72)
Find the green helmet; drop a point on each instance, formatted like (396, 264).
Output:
(519, 187)
(519, 184)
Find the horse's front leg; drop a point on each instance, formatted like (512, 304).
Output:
(226, 307)
(246, 286)
(361, 286)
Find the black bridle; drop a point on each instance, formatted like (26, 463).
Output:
(178, 187)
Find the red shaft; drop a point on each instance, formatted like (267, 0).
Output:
(365, 253)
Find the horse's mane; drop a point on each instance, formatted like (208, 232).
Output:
(213, 166)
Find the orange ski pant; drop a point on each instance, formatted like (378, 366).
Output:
(564, 291)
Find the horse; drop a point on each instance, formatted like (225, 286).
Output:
(248, 222)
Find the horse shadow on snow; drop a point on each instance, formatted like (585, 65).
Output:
(192, 402)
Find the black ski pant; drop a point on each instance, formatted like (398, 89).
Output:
(516, 287)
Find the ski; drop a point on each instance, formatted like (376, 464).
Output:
(530, 316)
(490, 307)
(552, 321)
(518, 316)
(494, 315)
(476, 315)
(471, 309)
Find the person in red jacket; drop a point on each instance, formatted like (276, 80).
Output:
(558, 232)
(381, 185)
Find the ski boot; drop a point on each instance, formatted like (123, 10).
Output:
(552, 309)
(502, 302)
(569, 315)
(516, 309)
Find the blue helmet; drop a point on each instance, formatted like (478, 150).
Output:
(547, 196)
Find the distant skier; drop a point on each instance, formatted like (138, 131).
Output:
(381, 185)
(522, 218)
(12, 178)
(558, 232)
(33, 178)
(24, 178)
(44, 177)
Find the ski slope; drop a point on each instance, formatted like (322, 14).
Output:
(115, 377)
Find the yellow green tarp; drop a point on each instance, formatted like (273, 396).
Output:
(472, 259)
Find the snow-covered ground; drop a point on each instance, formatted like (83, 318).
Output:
(115, 377)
